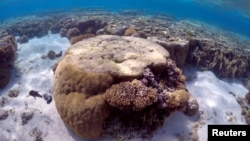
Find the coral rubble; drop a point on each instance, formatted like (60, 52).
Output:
(100, 80)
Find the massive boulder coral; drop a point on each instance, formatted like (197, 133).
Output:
(99, 80)
(7, 56)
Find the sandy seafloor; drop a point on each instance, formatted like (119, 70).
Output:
(30, 72)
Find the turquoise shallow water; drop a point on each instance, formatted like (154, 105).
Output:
(229, 15)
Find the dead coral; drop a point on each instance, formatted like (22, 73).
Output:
(130, 95)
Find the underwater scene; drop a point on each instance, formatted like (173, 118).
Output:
(127, 70)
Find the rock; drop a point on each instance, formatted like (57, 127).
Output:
(177, 48)
(37, 134)
(23, 39)
(246, 83)
(34, 27)
(248, 97)
(43, 56)
(130, 31)
(3, 101)
(100, 31)
(68, 22)
(90, 26)
(35, 94)
(4, 75)
(59, 54)
(54, 67)
(114, 30)
(51, 54)
(63, 32)
(26, 116)
(72, 32)
(76, 39)
(8, 47)
(247, 117)
(55, 28)
(192, 106)
(3, 114)
(3, 33)
(7, 56)
(48, 98)
(13, 93)
(115, 65)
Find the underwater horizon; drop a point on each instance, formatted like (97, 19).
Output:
(228, 15)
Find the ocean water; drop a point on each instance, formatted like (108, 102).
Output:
(229, 15)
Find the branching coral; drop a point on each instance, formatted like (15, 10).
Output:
(131, 95)
(223, 60)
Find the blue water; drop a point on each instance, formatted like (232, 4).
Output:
(224, 15)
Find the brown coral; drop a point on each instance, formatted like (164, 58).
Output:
(130, 95)
(177, 100)
(130, 31)
(77, 102)
(76, 39)
(7, 57)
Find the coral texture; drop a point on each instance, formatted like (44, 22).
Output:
(130, 95)
(224, 61)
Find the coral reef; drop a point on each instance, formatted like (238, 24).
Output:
(99, 80)
(224, 61)
(29, 28)
(23, 39)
